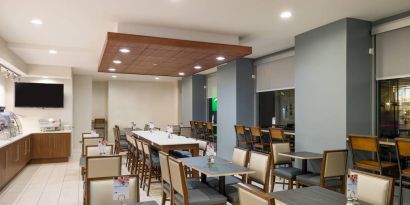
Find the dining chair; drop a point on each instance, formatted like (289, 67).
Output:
(369, 144)
(130, 152)
(241, 138)
(93, 150)
(192, 183)
(176, 129)
(282, 166)
(252, 196)
(200, 130)
(276, 135)
(184, 196)
(89, 142)
(103, 166)
(403, 154)
(193, 128)
(332, 174)
(374, 189)
(120, 144)
(210, 135)
(140, 159)
(258, 143)
(151, 167)
(100, 191)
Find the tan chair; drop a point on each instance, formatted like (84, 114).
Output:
(140, 159)
(257, 142)
(276, 135)
(374, 189)
(103, 166)
(333, 172)
(242, 140)
(89, 142)
(403, 153)
(368, 144)
(151, 167)
(93, 150)
(99, 191)
(282, 166)
(252, 196)
(261, 163)
(184, 196)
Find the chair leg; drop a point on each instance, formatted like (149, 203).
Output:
(164, 198)
(290, 184)
(273, 181)
(149, 180)
(283, 184)
(401, 192)
(297, 184)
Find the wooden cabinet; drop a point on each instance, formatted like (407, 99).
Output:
(3, 180)
(50, 147)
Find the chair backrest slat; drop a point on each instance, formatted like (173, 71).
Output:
(278, 148)
(163, 160)
(334, 163)
(178, 177)
(88, 141)
(276, 134)
(103, 166)
(403, 147)
(240, 157)
(240, 129)
(93, 150)
(364, 143)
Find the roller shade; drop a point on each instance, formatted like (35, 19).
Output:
(393, 54)
(275, 75)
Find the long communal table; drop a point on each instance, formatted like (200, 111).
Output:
(161, 141)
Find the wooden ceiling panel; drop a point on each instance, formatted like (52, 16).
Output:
(164, 56)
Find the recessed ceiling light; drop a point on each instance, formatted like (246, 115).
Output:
(112, 69)
(37, 22)
(181, 74)
(117, 61)
(154, 64)
(156, 78)
(285, 14)
(197, 67)
(114, 76)
(52, 51)
(124, 50)
(220, 58)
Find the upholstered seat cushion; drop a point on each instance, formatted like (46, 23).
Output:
(288, 172)
(205, 196)
(191, 184)
(155, 161)
(123, 144)
(214, 182)
(314, 180)
(182, 153)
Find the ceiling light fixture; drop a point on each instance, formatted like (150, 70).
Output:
(286, 14)
(124, 50)
(154, 64)
(36, 22)
(181, 74)
(112, 69)
(198, 67)
(117, 61)
(52, 51)
(156, 78)
(220, 58)
(114, 76)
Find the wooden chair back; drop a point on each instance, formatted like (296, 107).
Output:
(93, 150)
(99, 191)
(250, 195)
(403, 147)
(261, 163)
(178, 179)
(203, 146)
(103, 166)
(209, 126)
(240, 129)
(374, 189)
(164, 163)
(276, 134)
(334, 163)
(364, 143)
(277, 148)
(256, 131)
(240, 157)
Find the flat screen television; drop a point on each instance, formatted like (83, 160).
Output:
(39, 95)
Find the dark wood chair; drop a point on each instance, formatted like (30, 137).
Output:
(258, 143)
(403, 156)
(209, 134)
(242, 140)
(369, 144)
(276, 135)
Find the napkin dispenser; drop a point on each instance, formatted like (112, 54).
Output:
(48, 125)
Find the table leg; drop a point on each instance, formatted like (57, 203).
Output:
(304, 166)
(203, 178)
(195, 153)
(222, 185)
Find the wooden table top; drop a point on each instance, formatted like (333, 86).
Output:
(302, 155)
(221, 167)
(161, 138)
(313, 195)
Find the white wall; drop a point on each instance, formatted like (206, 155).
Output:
(2, 91)
(29, 116)
(141, 102)
(82, 86)
(99, 100)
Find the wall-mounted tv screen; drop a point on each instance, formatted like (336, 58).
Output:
(39, 95)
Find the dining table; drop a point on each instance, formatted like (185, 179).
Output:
(219, 168)
(313, 195)
(304, 156)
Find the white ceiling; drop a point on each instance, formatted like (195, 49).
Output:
(77, 28)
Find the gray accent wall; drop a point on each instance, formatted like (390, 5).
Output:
(186, 100)
(332, 84)
(236, 90)
(199, 97)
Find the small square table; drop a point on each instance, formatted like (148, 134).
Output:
(220, 168)
(314, 195)
(304, 156)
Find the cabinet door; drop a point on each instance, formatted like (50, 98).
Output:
(61, 145)
(12, 158)
(2, 167)
(41, 146)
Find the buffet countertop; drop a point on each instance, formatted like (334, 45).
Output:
(5, 142)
